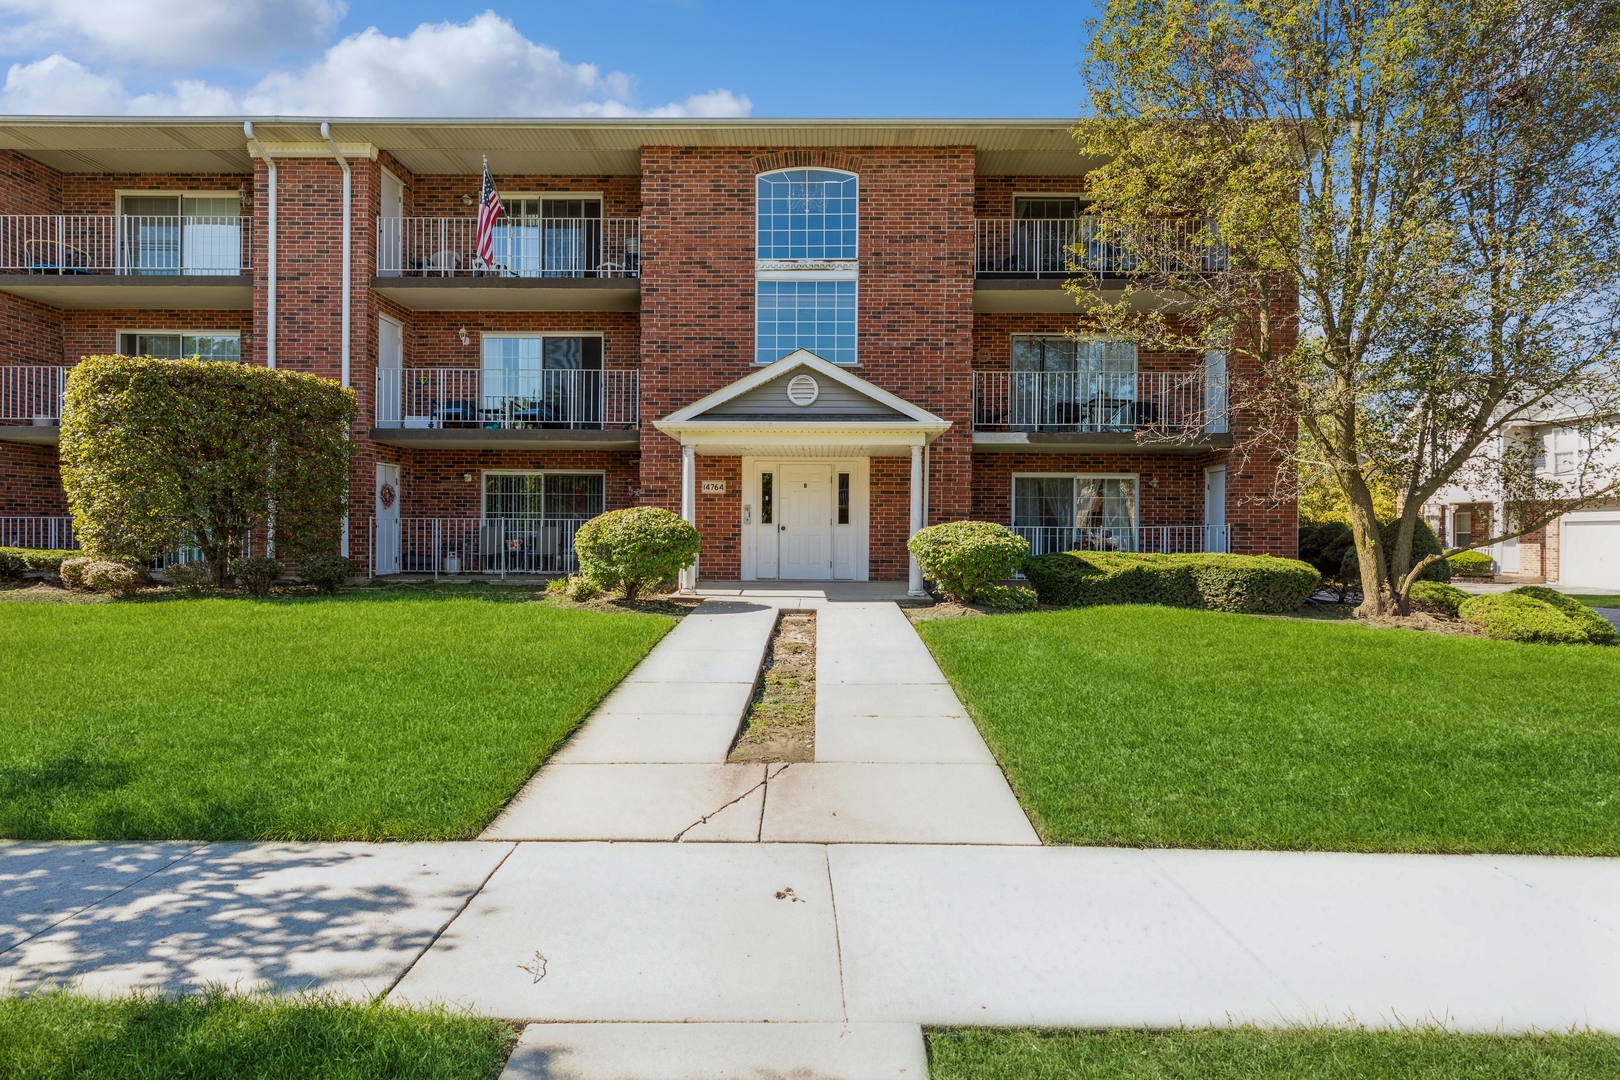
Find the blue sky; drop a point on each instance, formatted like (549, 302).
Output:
(601, 57)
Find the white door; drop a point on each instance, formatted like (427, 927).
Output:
(390, 362)
(805, 535)
(1215, 509)
(769, 522)
(391, 246)
(1589, 550)
(385, 554)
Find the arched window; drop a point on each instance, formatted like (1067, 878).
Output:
(807, 228)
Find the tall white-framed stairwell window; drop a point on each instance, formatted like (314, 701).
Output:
(806, 268)
(1215, 397)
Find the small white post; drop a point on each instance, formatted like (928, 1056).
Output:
(689, 510)
(916, 585)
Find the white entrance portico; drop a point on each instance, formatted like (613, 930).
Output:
(805, 431)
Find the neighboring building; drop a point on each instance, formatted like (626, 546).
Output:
(808, 336)
(1580, 549)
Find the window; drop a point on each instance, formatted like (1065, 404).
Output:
(807, 229)
(549, 237)
(217, 345)
(1059, 513)
(1074, 384)
(541, 381)
(180, 234)
(766, 484)
(843, 498)
(1560, 447)
(552, 496)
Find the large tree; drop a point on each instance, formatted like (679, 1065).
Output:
(160, 453)
(1399, 217)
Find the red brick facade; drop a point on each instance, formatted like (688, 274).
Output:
(917, 333)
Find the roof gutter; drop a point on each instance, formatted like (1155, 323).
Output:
(270, 165)
(343, 163)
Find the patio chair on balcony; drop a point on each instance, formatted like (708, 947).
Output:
(458, 414)
(55, 257)
(443, 263)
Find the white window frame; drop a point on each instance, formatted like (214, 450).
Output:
(484, 474)
(809, 269)
(118, 337)
(1136, 490)
(137, 193)
(516, 335)
(1012, 207)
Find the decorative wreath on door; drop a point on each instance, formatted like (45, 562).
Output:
(386, 496)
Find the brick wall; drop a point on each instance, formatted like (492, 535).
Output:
(993, 195)
(719, 518)
(440, 195)
(27, 187)
(1177, 500)
(993, 332)
(95, 333)
(30, 481)
(432, 338)
(33, 331)
(97, 193)
(915, 300)
(431, 481)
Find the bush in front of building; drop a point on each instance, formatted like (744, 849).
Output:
(1516, 616)
(1244, 583)
(1424, 543)
(963, 558)
(1009, 598)
(15, 562)
(106, 576)
(1598, 629)
(635, 550)
(256, 575)
(1437, 597)
(1470, 564)
(329, 573)
(191, 576)
(71, 571)
(155, 450)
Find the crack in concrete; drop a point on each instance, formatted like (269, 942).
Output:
(680, 836)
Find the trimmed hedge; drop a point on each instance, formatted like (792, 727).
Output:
(1597, 628)
(1008, 597)
(72, 570)
(964, 558)
(327, 572)
(15, 562)
(1249, 583)
(1516, 617)
(1437, 596)
(105, 576)
(634, 550)
(1471, 564)
(1331, 549)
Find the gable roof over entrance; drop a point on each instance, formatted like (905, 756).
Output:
(803, 406)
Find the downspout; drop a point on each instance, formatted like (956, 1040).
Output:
(270, 246)
(343, 163)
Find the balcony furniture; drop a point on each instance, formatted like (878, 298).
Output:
(55, 257)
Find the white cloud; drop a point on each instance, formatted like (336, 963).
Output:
(483, 67)
(190, 36)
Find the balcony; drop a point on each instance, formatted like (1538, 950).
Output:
(495, 546)
(31, 404)
(538, 264)
(1091, 410)
(477, 408)
(1020, 264)
(1159, 539)
(52, 533)
(125, 261)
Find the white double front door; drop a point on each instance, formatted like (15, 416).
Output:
(804, 521)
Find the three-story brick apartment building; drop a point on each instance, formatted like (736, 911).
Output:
(807, 336)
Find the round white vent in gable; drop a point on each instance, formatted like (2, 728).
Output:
(803, 390)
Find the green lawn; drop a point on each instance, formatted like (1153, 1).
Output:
(1251, 1054)
(63, 1036)
(1156, 727)
(391, 715)
(1598, 601)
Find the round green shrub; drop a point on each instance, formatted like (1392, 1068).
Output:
(631, 551)
(1437, 596)
(71, 571)
(191, 576)
(1598, 629)
(1516, 617)
(256, 575)
(1324, 546)
(1471, 563)
(327, 572)
(111, 577)
(1009, 597)
(11, 563)
(964, 557)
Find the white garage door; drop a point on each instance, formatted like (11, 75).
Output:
(1589, 550)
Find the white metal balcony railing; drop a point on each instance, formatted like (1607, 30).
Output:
(1167, 402)
(507, 398)
(55, 533)
(1058, 247)
(32, 395)
(71, 244)
(1160, 539)
(522, 247)
(490, 545)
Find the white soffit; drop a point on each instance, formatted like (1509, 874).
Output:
(555, 146)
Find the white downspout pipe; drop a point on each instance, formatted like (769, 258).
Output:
(270, 244)
(343, 163)
(689, 576)
(348, 192)
(916, 583)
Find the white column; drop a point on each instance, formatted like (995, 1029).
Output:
(916, 588)
(689, 510)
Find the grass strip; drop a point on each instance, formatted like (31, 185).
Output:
(1159, 727)
(780, 724)
(399, 715)
(1264, 1054)
(58, 1036)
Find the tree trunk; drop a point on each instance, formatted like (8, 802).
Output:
(1377, 597)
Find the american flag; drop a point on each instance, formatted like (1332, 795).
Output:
(489, 208)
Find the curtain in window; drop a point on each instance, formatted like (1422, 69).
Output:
(1062, 382)
(555, 496)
